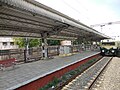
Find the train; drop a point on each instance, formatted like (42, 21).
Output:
(109, 47)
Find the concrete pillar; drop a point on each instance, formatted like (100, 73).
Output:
(80, 41)
(26, 52)
(72, 46)
(27, 46)
(44, 47)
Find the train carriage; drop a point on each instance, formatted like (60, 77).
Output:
(109, 47)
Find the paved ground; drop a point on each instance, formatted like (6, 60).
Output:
(24, 73)
(111, 77)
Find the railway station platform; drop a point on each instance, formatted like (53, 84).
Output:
(23, 74)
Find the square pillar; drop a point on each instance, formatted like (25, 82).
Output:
(26, 53)
(44, 47)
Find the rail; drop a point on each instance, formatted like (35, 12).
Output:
(94, 81)
(74, 76)
(86, 80)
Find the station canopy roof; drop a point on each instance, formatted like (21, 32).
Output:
(28, 18)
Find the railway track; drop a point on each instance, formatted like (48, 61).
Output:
(97, 78)
(87, 80)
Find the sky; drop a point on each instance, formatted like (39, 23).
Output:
(90, 12)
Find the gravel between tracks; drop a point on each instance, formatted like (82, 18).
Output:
(111, 76)
(82, 81)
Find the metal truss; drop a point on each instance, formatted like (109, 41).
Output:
(29, 18)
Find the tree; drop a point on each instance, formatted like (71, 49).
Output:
(21, 42)
(34, 42)
(53, 42)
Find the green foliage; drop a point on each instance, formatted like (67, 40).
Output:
(64, 77)
(91, 61)
(69, 75)
(72, 72)
(21, 42)
(34, 42)
(75, 42)
(53, 42)
(50, 84)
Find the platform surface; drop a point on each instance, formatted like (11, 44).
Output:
(25, 73)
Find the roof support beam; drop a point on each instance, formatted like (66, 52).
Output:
(57, 29)
(30, 16)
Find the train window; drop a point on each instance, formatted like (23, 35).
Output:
(108, 43)
(11, 43)
(5, 43)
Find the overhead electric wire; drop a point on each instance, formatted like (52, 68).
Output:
(74, 9)
(82, 5)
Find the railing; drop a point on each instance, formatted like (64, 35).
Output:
(76, 48)
(36, 52)
(12, 53)
(53, 51)
(32, 54)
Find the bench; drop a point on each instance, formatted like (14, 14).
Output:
(7, 63)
